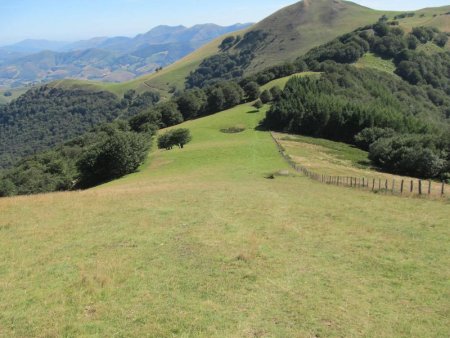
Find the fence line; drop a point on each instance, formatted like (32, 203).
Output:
(424, 188)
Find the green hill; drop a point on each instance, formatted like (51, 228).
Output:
(291, 31)
(200, 244)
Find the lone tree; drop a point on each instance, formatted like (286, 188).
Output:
(177, 137)
(266, 96)
(258, 104)
(252, 90)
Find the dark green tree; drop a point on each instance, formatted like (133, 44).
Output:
(276, 93)
(266, 96)
(191, 103)
(119, 154)
(252, 91)
(177, 137)
(258, 104)
(170, 115)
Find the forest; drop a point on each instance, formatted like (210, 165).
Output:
(45, 117)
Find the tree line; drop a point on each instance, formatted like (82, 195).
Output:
(107, 152)
(403, 130)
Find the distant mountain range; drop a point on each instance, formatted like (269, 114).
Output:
(103, 59)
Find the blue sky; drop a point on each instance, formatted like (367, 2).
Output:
(68, 20)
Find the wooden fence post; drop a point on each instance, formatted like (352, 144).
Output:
(412, 186)
(386, 185)
(420, 187)
(393, 186)
(373, 185)
(379, 184)
(401, 187)
(429, 187)
(443, 189)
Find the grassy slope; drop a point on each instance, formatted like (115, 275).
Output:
(281, 82)
(200, 244)
(300, 27)
(440, 21)
(304, 25)
(15, 94)
(370, 60)
(340, 159)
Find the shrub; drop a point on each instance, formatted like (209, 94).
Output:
(276, 93)
(119, 154)
(252, 91)
(258, 104)
(7, 187)
(413, 155)
(370, 135)
(266, 96)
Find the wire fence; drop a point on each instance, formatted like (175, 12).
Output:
(405, 187)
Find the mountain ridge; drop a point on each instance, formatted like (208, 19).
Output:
(119, 61)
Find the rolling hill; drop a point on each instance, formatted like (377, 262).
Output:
(296, 29)
(292, 31)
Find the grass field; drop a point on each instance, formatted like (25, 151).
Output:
(340, 159)
(200, 244)
(370, 60)
(281, 82)
(15, 94)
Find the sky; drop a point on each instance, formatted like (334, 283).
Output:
(70, 20)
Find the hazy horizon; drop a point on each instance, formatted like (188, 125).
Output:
(75, 20)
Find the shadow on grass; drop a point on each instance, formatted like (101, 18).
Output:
(261, 127)
(253, 111)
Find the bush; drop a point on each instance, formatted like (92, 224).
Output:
(276, 93)
(7, 187)
(258, 104)
(170, 115)
(192, 103)
(146, 122)
(266, 96)
(370, 135)
(413, 155)
(119, 154)
(252, 91)
(441, 39)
